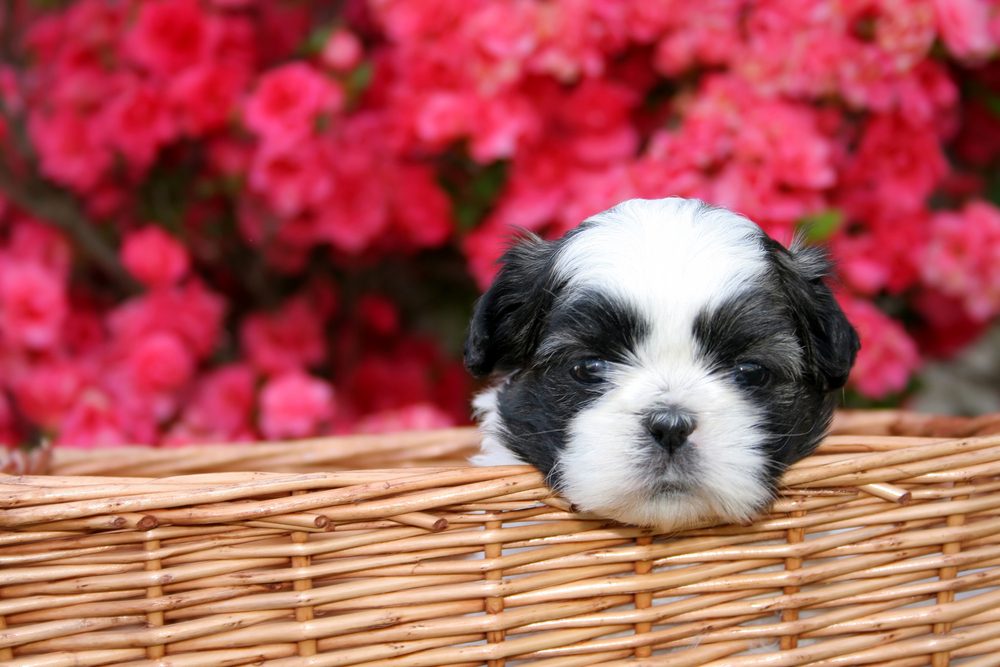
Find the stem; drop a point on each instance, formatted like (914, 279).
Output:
(57, 207)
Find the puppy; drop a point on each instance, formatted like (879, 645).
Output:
(662, 364)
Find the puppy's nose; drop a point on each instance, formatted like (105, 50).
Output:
(670, 428)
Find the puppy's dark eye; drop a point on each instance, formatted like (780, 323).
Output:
(751, 374)
(589, 370)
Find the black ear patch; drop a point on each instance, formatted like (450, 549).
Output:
(508, 319)
(830, 342)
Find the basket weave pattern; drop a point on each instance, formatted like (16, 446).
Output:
(884, 548)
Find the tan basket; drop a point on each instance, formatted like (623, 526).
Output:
(885, 548)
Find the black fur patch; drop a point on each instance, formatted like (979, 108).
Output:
(539, 401)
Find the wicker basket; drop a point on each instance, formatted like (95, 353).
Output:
(885, 548)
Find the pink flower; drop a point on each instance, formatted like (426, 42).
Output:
(69, 149)
(33, 305)
(47, 393)
(288, 100)
(294, 405)
(356, 214)
(189, 310)
(223, 402)
(138, 123)
(289, 339)
(154, 257)
(204, 96)
(342, 50)
(416, 417)
(894, 170)
(888, 356)
(160, 363)
(706, 33)
(880, 255)
(946, 327)
(965, 27)
(33, 240)
(419, 207)
(92, 422)
(292, 176)
(962, 258)
(169, 35)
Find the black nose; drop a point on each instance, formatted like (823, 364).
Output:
(670, 428)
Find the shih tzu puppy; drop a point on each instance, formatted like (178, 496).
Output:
(662, 364)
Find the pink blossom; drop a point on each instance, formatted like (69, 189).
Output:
(69, 149)
(222, 402)
(156, 258)
(204, 96)
(444, 116)
(946, 327)
(388, 380)
(965, 27)
(292, 176)
(342, 50)
(159, 363)
(189, 310)
(895, 169)
(888, 355)
(294, 405)
(962, 258)
(410, 20)
(33, 305)
(880, 255)
(33, 240)
(47, 393)
(289, 339)
(503, 123)
(357, 211)
(288, 100)
(418, 206)
(702, 33)
(169, 35)
(137, 123)
(416, 417)
(92, 422)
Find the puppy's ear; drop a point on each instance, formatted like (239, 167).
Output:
(508, 318)
(830, 341)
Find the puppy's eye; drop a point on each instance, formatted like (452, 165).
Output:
(751, 374)
(589, 370)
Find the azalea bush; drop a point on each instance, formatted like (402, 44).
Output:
(231, 220)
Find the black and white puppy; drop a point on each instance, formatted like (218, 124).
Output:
(662, 364)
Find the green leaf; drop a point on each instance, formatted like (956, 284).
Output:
(819, 227)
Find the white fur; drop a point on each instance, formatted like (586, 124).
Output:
(671, 259)
(492, 451)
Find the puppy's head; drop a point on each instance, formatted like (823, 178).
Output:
(662, 364)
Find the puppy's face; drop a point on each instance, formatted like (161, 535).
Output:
(662, 364)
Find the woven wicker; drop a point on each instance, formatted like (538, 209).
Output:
(884, 548)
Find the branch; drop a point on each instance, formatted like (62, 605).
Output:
(60, 209)
(56, 206)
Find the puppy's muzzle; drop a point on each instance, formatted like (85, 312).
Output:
(670, 427)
